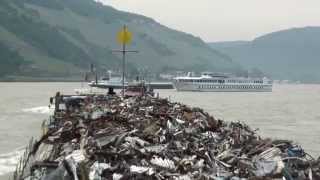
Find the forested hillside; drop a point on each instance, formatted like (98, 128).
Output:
(61, 38)
(292, 54)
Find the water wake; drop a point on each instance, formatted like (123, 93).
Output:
(39, 110)
(9, 161)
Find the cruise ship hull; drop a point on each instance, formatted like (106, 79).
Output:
(222, 88)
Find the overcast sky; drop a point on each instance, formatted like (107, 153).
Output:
(225, 20)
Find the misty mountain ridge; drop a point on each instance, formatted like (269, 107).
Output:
(61, 38)
(292, 54)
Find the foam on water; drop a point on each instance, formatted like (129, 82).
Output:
(39, 110)
(8, 161)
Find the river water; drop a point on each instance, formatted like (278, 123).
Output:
(289, 112)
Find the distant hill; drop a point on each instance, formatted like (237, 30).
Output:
(292, 54)
(60, 38)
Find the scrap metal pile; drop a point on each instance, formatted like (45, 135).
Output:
(96, 137)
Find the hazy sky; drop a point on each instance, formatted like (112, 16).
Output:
(224, 20)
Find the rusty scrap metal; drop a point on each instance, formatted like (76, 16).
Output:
(108, 137)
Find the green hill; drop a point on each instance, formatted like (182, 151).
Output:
(292, 54)
(61, 38)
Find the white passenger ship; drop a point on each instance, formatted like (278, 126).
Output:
(209, 82)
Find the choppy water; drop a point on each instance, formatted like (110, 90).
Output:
(289, 112)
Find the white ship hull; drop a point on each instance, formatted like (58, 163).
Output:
(222, 88)
(220, 83)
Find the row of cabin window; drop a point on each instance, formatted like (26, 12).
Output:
(246, 81)
(229, 87)
(217, 81)
(202, 81)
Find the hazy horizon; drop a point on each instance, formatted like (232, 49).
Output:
(228, 20)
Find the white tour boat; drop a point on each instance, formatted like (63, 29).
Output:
(209, 82)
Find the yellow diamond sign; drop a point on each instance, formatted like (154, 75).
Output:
(124, 36)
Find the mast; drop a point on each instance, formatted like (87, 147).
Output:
(124, 37)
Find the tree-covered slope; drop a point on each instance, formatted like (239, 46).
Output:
(61, 38)
(292, 54)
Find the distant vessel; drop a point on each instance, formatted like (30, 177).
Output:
(210, 82)
(114, 81)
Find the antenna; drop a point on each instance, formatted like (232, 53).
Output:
(124, 37)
